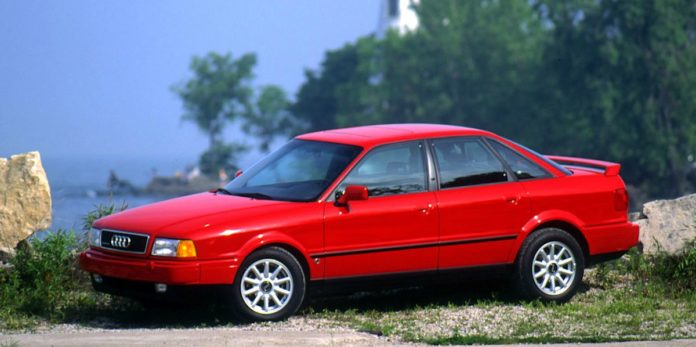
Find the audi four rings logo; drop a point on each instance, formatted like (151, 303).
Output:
(120, 241)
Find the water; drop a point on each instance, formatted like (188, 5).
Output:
(75, 183)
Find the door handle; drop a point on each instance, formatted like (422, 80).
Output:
(425, 209)
(513, 199)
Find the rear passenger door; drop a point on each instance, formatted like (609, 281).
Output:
(481, 208)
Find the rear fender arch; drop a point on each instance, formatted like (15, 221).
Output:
(552, 218)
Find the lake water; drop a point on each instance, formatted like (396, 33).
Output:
(75, 181)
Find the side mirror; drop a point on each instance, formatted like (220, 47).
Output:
(238, 173)
(351, 193)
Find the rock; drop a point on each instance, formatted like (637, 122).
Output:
(669, 225)
(25, 200)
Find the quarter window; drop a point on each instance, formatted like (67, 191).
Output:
(522, 167)
(466, 162)
(391, 169)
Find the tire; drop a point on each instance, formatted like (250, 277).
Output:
(550, 266)
(270, 285)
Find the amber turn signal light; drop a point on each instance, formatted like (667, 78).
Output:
(185, 249)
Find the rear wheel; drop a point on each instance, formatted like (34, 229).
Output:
(550, 265)
(270, 285)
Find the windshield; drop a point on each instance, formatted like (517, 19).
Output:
(299, 171)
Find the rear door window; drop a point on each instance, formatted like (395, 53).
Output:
(522, 167)
(466, 161)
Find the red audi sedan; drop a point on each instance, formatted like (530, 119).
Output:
(367, 202)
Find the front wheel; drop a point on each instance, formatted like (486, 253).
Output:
(550, 265)
(270, 285)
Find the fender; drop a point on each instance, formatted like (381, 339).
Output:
(278, 238)
(539, 219)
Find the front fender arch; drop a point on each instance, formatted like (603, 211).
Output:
(279, 239)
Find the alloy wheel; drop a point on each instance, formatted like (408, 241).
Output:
(267, 286)
(554, 268)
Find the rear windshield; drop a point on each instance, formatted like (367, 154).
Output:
(545, 159)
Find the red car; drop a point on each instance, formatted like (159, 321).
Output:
(372, 201)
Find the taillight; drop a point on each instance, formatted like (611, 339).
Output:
(621, 199)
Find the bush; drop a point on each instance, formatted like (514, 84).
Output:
(44, 279)
(44, 276)
(101, 211)
(678, 270)
(674, 274)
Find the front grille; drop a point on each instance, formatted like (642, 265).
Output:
(124, 241)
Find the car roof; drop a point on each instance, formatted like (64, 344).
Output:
(374, 135)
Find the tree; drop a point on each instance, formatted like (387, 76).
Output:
(622, 75)
(316, 105)
(466, 58)
(270, 117)
(218, 93)
(220, 156)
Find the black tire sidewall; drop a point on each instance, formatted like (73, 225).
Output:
(299, 285)
(524, 265)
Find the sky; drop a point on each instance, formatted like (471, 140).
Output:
(93, 78)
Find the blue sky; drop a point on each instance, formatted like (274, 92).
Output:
(93, 78)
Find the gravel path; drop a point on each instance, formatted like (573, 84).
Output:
(192, 337)
(69, 335)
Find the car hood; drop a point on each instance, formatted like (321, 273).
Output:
(189, 213)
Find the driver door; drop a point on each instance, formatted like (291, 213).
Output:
(395, 229)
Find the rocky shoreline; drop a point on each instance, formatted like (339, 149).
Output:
(161, 185)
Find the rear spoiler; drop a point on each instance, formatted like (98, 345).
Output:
(609, 168)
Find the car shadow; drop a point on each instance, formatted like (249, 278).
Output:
(128, 314)
(423, 295)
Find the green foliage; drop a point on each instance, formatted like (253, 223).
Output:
(99, 212)
(317, 103)
(674, 274)
(43, 276)
(44, 279)
(219, 92)
(270, 117)
(624, 79)
(614, 80)
(466, 57)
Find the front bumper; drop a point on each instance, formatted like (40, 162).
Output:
(171, 272)
(147, 291)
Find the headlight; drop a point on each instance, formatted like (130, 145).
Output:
(173, 248)
(94, 237)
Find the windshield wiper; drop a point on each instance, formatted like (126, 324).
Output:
(221, 190)
(259, 196)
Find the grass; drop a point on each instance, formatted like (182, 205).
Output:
(635, 298)
(478, 316)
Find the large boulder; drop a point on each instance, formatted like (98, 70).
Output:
(668, 224)
(25, 200)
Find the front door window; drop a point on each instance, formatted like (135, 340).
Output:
(391, 169)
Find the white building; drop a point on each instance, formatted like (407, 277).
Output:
(398, 15)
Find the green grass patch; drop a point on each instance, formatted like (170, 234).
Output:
(638, 297)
